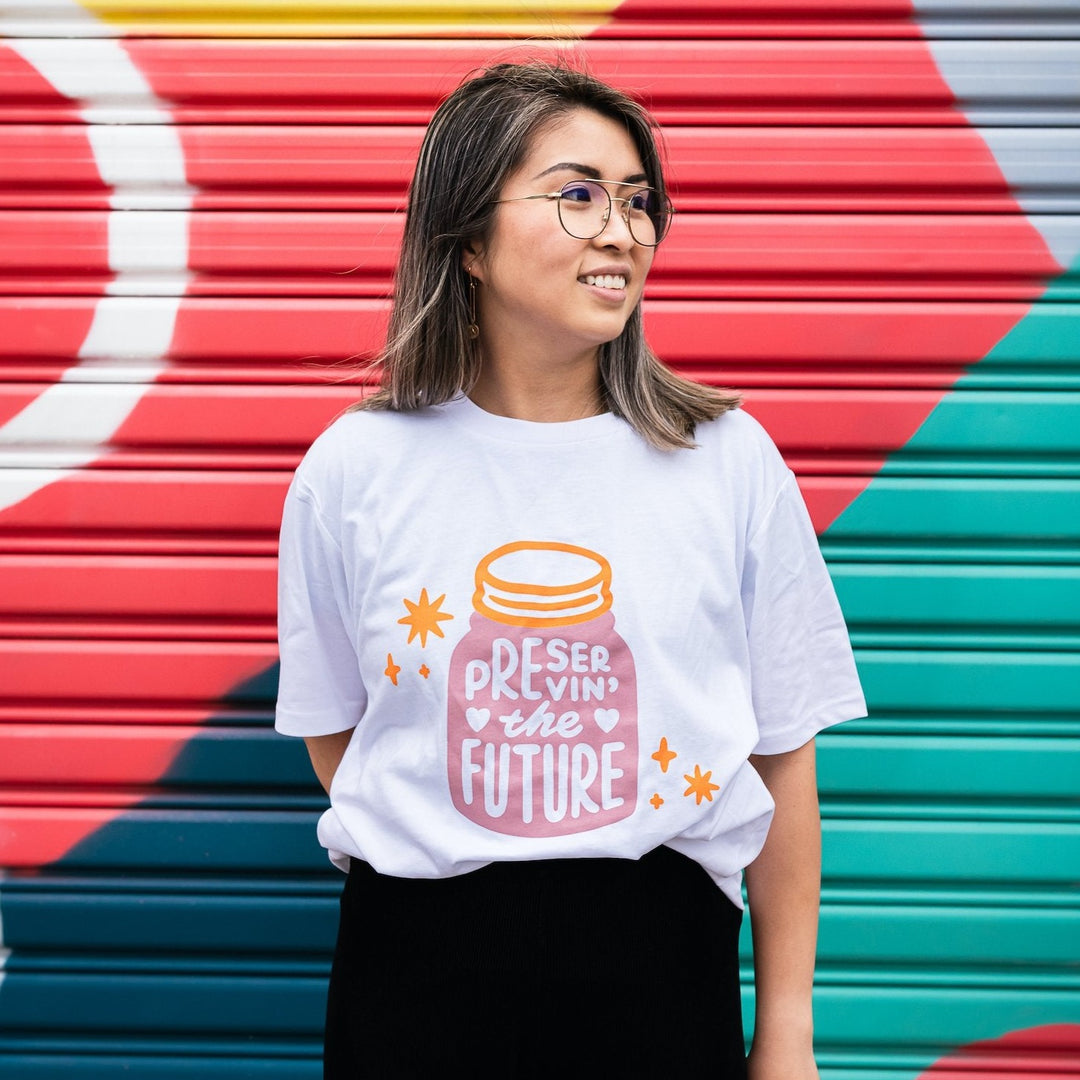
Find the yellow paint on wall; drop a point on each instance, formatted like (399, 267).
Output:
(360, 18)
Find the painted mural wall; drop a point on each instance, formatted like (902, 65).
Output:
(878, 242)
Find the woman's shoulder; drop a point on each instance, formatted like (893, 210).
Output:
(366, 431)
(349, 445)
(738, 438)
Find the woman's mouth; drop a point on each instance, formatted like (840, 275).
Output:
(605, 281)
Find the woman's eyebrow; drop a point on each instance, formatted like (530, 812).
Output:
(570, 166)
(589, 171)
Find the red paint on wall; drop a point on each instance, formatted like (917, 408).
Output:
(49, 166)
(396, 82)
(771, 12)
(131, 672)
(839, 423)
(309, 335)
(38, 835)
(170, 505)
(835, 169)
(1051, 1052)
(99, 754)
(44, 252)
(37, 329)
(711, 168)
(878, 19)
(928, 344)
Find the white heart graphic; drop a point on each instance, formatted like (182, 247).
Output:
(478, 718)
(606, 719)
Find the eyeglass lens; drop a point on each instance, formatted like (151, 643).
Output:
(585, 206)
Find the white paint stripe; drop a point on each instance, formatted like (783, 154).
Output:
(98, 73)
(148, 249)
(68, 425)
(147, 285)
(144, 163)
(111, 369)
(35, 462)
(102, 77)
(130, 156)
(128, 331)
(75, 414)
(79, 419)
(63, 416)
(147, 240)
(51, 18)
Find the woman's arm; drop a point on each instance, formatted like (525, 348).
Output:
(784, 891)
(326, 752)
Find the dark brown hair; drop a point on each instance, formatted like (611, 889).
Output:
(478, 136)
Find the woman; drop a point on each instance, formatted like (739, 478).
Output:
(557, 633)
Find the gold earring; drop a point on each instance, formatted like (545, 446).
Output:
(473, 329)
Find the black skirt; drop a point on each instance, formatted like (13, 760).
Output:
(563, 967)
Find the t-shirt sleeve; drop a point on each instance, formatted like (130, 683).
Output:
(320, 690)
(802, 671)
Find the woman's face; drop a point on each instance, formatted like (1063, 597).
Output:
(537, 282)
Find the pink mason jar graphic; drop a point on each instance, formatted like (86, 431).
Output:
(542, 704)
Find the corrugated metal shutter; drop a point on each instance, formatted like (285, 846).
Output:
(879, 243)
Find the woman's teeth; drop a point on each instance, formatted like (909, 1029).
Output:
(606, 281)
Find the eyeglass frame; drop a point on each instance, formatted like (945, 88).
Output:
(612, 199)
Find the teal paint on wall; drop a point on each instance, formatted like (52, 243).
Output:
(1048, 335)
(956, 802)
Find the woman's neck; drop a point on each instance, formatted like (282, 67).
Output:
(547, 394)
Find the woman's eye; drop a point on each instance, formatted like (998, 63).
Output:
(578, 193)
(641, 202)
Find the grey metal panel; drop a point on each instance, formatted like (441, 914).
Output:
(1042, 167)
(1010, 19)
(1016, 83)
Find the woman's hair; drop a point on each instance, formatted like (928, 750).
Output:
(478, 136)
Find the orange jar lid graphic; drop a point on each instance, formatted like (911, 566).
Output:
(542, 584)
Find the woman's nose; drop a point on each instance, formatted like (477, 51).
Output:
(616, 231)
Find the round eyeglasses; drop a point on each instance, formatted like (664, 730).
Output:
(585, 208)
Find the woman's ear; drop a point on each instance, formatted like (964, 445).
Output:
(472, 259)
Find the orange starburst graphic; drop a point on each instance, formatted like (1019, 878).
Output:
(656, 801)
(424, 617)
(700, 783)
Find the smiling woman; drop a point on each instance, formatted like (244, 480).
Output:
(509, 136)
(548, 301)
(546, 782)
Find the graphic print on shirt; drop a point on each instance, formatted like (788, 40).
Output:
(700, 785)
(542, 699)
(424, 616)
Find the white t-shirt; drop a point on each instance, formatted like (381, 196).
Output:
(551, 639)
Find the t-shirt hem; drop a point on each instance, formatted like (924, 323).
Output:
(793, 738)
(305, 729)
